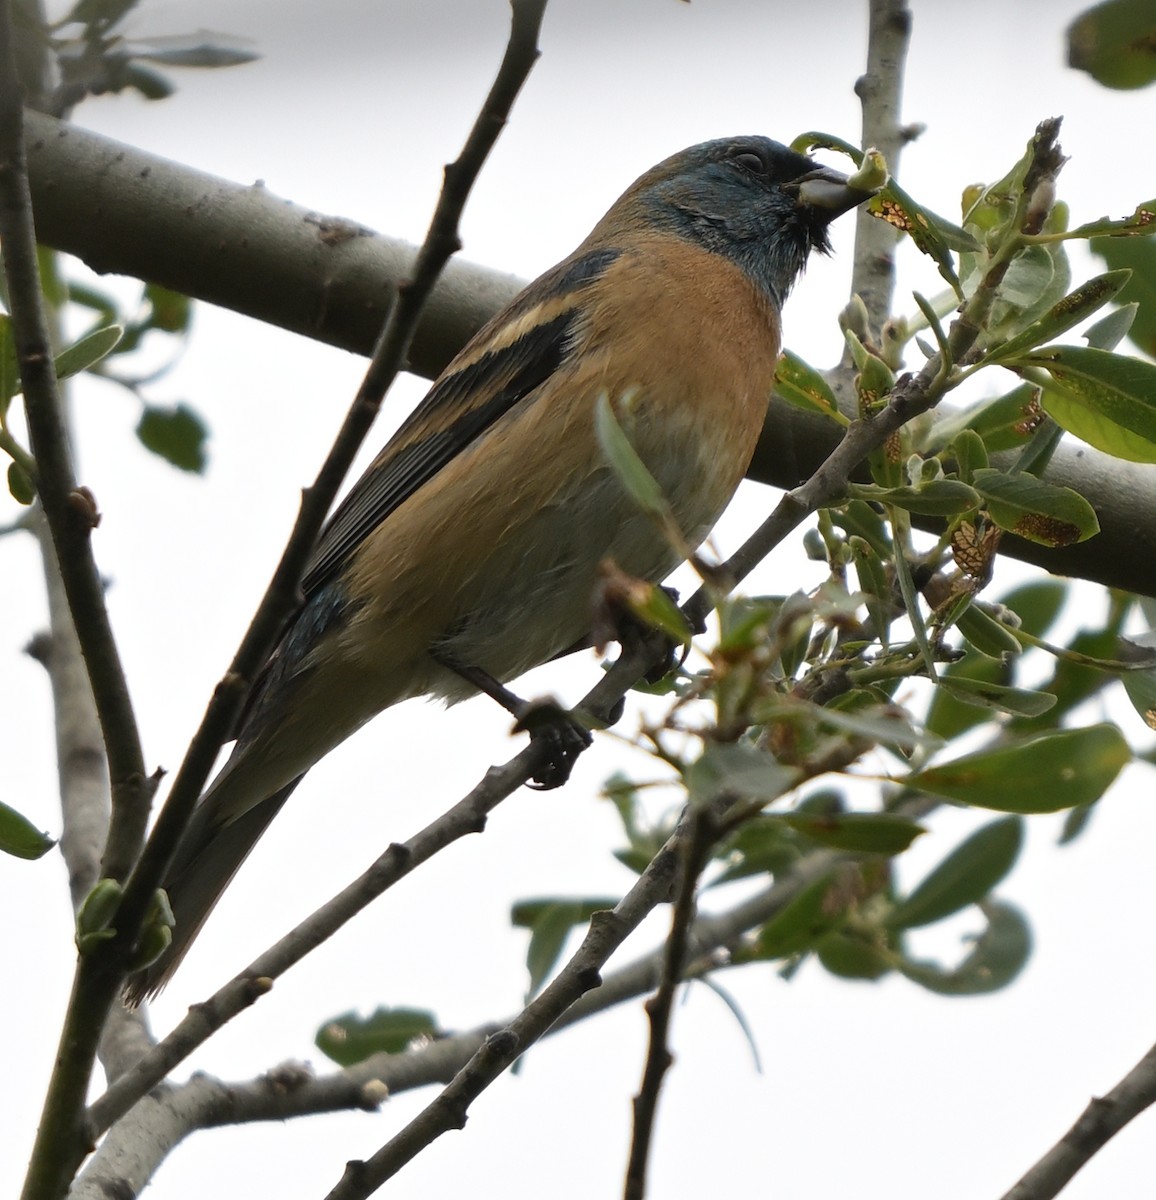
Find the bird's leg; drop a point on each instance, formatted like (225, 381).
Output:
(546, 721)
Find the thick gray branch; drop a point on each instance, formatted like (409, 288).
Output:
(124, 211)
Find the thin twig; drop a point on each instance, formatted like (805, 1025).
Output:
(448, 1110)
(134, 1148)
(1104, 1117)
(204, 1019)
(71, 515)
(388, 359)
(61, 1143)
(701, 834)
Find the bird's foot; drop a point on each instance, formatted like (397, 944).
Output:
(561, 736)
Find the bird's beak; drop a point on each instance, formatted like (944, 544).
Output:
(827, 191)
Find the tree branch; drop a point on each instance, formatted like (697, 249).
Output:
(61, 1143)
(126, 212)
(1104, 1117)
(137, 1144)
(71, 516)
(331, 279)
(702, 830)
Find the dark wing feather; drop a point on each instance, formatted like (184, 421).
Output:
(459, 408)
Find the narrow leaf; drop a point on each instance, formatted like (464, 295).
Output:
(998, 956)
(351, 1039)
(738, 769)
(1119, 388)
(1038, 511)
(800, 384)
(964, 877)
(623, 458)
(88, 351)
(861, 832)
(1020, 702)
(1070, 311)
(1043, 774)
(936, 498)
(19, 837)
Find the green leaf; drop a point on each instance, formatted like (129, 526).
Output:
(631, 471)
(936, 498)
(738, 769)
(874, 585)
(170, 312)
(1108, 332)
(1043, 774)
(1038, 511)
(797, 923)
(351, 1039)
(948, 717)
(1115, 42)
(1119, 388)
(176, 434)
(99, 907)
(760, 846)
(152, 85)
(21, 487)
(859, 832)
(19, 837)
(998, 956)
(1070, 311)
(969, 452)
(9, 367)
(1138, 255)
(931, 234)
(1006, 422)
(192, 50)
(1021, 702)
(550, 922)
(850, 954)
(986, 634)
(1073, 682)
(1091, 426)
(800, 384)
(964, 877)
(860, 519)
(88, 351)
(1037, 604)
(653, 606)
(1140, 685)
(875, 378)
(1075, 822)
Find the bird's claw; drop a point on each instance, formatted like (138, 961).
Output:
(560, 735)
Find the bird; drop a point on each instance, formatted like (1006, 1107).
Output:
(470, 548)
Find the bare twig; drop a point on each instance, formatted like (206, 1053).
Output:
(204, 1019)
(136, 1146)
(1104, 1117)
(448, 1110)
(61, 1143)
(71, 515)
(701, 834)
(388, 359)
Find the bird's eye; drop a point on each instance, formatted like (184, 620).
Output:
(751, 162)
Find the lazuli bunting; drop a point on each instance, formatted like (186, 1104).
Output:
(474, 539)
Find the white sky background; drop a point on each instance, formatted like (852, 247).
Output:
(879, 1091)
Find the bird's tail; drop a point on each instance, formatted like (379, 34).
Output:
(208, 857)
